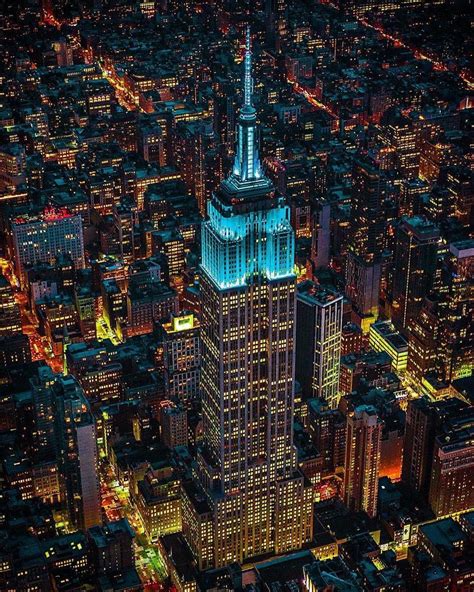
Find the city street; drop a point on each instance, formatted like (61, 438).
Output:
(116, 505)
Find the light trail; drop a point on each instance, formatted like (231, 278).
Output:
(398, 42)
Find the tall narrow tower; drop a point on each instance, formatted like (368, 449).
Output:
(256, 500)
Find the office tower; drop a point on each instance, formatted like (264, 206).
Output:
(78, 456)
(151, 142)
(174, 425)
(460, 184)
(197, 159)
(455, 312)
(158, 502)
(437, 433)
(327, 428)
(14, 350)
(400, 136)
(418, 445)
(112, 547)
(369, 192)
(320, 239)
(384, 337)
(256, 499)
(64, 433)
(170, 242)
(10, 317)
(100, 377)
(452, 473)
(114, 312)
(182, 357)
(124, 219)
(351, 339)
(276, 22)
(224, 115)
(414, 263)
(318, 334)
(423, 341)
(44, 237)
(12, 167)
(363, 288)
(362, 459)
(84, 301)
(366, 242)
(45, 445)
(411, 195)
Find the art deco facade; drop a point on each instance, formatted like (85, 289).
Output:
(247, 469)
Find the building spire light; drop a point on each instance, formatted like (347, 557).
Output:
(248, 82)
(247, 168)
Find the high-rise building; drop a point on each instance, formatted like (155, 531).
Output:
(320, 239)
(10, 318)
(45, 237)
(423, 335)
(363, 288)
(367, 236)
(247, 467)
(400, 136)
(362, 460)
(437, 453)
(174, 424)
(318, 334)
(418, 445)
(158, 502)
(45, 446)
(276, 22)
(65, 437)
(197, 159)
(12, 167)
(452, 474)
(112, 547)
(456, 333)
(414, 265)
(100, 377)
(182, 357)
(327, 428)
(78, 455)
(384, 337)
(124, 218)
(369, 192)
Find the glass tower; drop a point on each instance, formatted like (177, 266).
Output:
(256, 500)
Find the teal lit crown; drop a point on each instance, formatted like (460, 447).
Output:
(239, 244)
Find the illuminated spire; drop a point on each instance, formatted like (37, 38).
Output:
(248, 82)
(247, 168)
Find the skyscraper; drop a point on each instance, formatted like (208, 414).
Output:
(10, 318)
(276, 22)
(452, 476)
(414, 266)
(182, 357)
(247, 468)
(78, 458)
(362, 462)
(319, 333)
(65, 436)
(368, 220)
(418, 446)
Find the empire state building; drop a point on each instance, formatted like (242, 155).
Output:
(248, 497)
